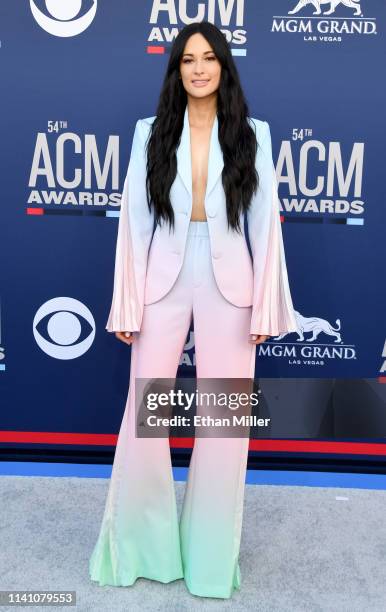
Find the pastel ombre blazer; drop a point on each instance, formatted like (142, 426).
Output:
(147, 261)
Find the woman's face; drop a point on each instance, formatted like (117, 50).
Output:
(199, 67)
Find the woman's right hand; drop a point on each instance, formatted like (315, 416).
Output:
(126, 337)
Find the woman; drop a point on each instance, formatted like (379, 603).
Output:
(197, 171)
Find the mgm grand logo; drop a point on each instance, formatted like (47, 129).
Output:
(317, 341)
(323, 24)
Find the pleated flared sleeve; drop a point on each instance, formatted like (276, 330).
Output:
(135, 229)
(272, 311)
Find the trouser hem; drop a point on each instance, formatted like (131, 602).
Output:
(122, 582)
(205, 590)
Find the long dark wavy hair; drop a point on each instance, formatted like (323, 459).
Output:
(236, 136)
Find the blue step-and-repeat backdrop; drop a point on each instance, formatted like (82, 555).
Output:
(76, 75)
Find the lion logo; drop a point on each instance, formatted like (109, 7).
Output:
(313, 325)
(354, 4)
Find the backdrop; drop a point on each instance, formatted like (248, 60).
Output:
(75, 78)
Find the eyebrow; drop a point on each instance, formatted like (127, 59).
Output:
(192, 53)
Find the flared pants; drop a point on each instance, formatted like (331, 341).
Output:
(141, 535)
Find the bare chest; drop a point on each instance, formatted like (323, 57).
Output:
(199, 149)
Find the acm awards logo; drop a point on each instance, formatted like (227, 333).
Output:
(60, 178)
(315, 342)
(325, 23)
(64, 18)
(330, 186)
(165, 17)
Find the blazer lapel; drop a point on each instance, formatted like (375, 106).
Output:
(184, 159)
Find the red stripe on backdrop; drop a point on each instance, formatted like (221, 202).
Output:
(295, 446)
(54, 437)
(35, 211)
(156, 50)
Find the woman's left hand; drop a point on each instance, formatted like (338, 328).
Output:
(258, 339)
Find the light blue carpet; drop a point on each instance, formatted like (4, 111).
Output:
(303, 548)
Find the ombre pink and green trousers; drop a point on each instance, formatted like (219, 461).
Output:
(141, 534)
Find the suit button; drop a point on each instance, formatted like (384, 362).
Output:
(211, 214)
(216, 254)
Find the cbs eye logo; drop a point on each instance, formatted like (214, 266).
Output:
(60, 320)
(64, 17)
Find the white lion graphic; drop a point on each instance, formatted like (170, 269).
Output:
(355, 4)
(315, 325)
